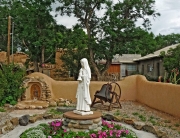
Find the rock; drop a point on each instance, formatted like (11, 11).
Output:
(20, 106)
(62, 100)
(52, 103)
(7, 105)
(60, 104)
(161, 134)
(94, 126)
(86, 122)
(129, 121)
(33, 119)
(24, 120)
(118, 119)
(74, 121)
(57, 100)
(48, 116)
(108, 117)
(138, 125)
(15, 121)
(8, 127)
(70, 125)
(1, 131)
(39, 107)
(32, 106)
(150, 129)
(97, 120)
(65, 109)
(27, 107)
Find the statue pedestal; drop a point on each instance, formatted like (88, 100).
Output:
(77, 122)
(82, 112)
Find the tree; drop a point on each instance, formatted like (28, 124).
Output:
(34, 27)
(74, 42)
(108, 33)
(143, 43)
(167, 40)
(171, 59)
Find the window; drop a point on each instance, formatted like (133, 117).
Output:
(149, 68)
(132, 67)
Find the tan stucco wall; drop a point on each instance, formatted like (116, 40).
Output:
(161, 96)
(67, 89)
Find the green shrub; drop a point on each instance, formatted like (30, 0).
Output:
(11, 83)
(2, 109)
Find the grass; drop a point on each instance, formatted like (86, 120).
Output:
(135, 113)
(54, 111)
(176, 125)
(167, 121)
(2, 109)
(117, 113)
(141, 117)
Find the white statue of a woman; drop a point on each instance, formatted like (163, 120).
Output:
(83, 95)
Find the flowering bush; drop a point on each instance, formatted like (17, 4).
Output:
(109, 130)
(173, 76)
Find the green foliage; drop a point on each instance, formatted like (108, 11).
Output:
(171, 62)
(54, 130)
(11, 84)
(74, 43)
(167, 40)
(142, 118)
(2, 109)
(109, 33)
(54, 111)
(34, 30)
(171, 59)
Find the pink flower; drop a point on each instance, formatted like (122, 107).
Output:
(111, 132)
(49, 137)
(58, 124)
(65, 130)
(93, 135)
(126, 131)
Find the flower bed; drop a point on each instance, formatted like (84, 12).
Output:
(54, 130)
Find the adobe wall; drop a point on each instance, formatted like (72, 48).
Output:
(18, 57)
(161, 96)
(67, 89)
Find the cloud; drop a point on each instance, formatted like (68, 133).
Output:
(165, 24)
(169, 20)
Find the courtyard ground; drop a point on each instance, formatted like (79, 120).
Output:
(130, 109)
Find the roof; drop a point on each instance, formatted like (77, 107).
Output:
(156, 53)
(125, 58)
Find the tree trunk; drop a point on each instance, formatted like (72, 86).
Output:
(42, 54)
(100, 73)
(36, 67)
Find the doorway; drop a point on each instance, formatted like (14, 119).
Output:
(35, 92)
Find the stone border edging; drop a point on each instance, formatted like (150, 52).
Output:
(13, 122)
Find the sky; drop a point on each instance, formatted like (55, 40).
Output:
(167, 23)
